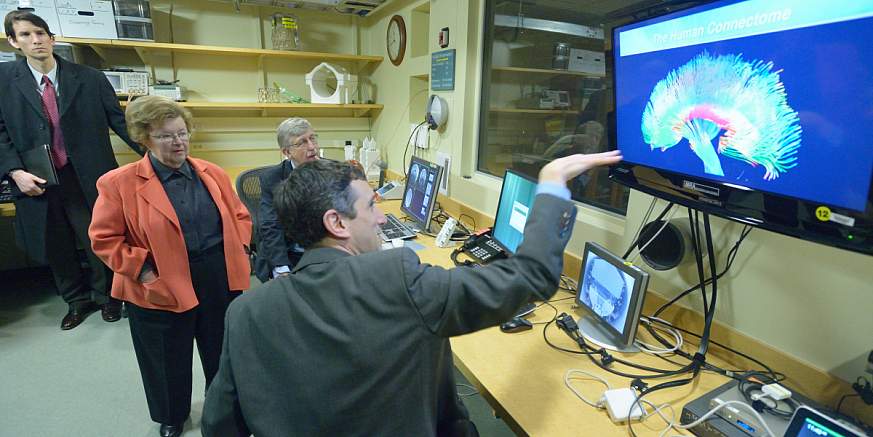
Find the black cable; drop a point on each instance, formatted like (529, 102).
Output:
(773, 374)
(661, 386)
(840, 403)
(406, 150)
(568, 325)
(462, 215)
(554, 316)
(554, 346)
(707, 323)
(730, 373)
(642, 223)
(747, 386)
(732, 254)
(637, 238)
(698, 255)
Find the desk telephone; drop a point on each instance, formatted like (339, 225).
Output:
(482, 247)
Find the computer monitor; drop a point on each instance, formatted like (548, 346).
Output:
(516, 201)
(422, 182)
(807, 422)
(611, 292)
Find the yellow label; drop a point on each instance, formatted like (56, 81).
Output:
(289, 23)
(823, 213)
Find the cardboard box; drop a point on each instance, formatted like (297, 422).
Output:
(587, 61)
(87, 18)
(43, 8)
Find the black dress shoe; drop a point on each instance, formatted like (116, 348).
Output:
(111, 311)
(76, 316)
(171, 430)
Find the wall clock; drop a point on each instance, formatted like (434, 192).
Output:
(395, 39)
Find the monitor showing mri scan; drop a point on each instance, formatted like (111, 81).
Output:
(611, 292)
(422, 184)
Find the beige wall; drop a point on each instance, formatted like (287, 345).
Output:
(809, 300)
(242, 139)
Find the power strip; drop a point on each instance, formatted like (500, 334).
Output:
(444, 238)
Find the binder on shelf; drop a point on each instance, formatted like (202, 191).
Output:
(38, 161)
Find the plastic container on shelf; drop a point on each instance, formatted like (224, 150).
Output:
(286, 32)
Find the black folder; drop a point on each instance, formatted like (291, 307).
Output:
(38, 161)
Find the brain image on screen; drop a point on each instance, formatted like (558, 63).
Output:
(407, 198)
(422, 180)
(413, 174)
(725, 106)
(605, 291)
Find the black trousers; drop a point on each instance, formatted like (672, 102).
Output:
(66, 229)
(164, 340)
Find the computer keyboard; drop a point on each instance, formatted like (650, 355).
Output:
(394, 228)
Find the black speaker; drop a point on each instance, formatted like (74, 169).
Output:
(668, 248)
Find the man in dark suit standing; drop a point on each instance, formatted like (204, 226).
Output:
(277, 254)
(47, 100)
(356, 340)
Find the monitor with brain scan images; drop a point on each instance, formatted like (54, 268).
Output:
(611, 293)
(422, 184)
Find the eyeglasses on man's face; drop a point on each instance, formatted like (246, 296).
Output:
(168, 138)
(302, 141)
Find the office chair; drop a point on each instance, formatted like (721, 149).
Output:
(248, 188)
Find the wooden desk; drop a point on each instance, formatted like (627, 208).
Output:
(523, 378)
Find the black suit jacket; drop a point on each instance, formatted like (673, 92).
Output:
(272, 243)
(359, 345)
(88, 107)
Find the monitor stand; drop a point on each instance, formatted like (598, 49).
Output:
(593, 332)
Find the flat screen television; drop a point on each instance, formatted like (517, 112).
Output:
(760, 111)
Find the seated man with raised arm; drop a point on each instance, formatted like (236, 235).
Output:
(356, 340)
(278, 254)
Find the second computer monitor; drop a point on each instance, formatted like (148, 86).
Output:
(422, 183)
(516, 201)
(612, 293)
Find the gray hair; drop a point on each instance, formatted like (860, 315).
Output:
(292, 127)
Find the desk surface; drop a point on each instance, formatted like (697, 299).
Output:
(523, 378)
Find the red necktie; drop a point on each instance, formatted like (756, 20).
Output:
(50, 105)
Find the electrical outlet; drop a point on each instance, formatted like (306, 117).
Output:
(419, 137)
(444, 159)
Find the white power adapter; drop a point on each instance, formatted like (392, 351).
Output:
(618, 404)
(776, 391)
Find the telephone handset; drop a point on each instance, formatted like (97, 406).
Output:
(482, 247)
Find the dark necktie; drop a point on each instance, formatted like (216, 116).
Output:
(50, 105)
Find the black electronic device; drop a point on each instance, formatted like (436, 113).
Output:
(517, 324)
(719, 426)
(6, 194)
(611, 291)
(722, 107)
(423, 180)
(483, 248)
(807, 422)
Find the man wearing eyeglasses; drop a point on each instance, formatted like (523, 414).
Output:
(45, 100)
(276, 253)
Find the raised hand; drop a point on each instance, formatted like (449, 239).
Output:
(563, 169)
